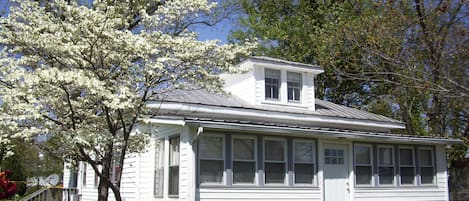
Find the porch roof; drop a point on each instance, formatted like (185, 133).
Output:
(241, 126)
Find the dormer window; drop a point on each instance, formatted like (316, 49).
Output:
(283, 86)
(294, 84)
(272, 84)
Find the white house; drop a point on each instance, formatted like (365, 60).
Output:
(270, 139)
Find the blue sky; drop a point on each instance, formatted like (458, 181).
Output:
(220, 31)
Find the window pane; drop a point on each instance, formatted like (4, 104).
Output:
(274, 173)
(362, 155)
(385, 156)
(274, 150)
(174, 151)
(173, 180)
(174, 166)
(244, 172)
(304, 152)
(426, 157)
(293, 77)
(243, 149)
(272, 83)
(159, 170)
(211, 147)
(211, 171)
(304, 173)
(363, 174)
(407, 175)
(386, 175)
(427, 175)
(406, 157)
(271, 73)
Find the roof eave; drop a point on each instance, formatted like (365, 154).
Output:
(382, 137)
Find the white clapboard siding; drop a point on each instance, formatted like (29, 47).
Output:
(241, 85)
(401, 194)
(145, 173)
(88, 191)
(243, 194)
(66, 176)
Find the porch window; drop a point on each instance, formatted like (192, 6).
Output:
(244, 160)
(427, 170)
(272, 84)
(275, 161)
(304, 160)
(211, 159)
(159, 168)
(385, 165)
(173, 166)
(294, 84)
(363, 164)
(407, 165)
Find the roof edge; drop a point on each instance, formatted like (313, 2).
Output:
(322, 133)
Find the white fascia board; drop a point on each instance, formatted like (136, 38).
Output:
(220, 111)
(175, 122)
(288, 67)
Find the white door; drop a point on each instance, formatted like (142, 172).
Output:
(335, 172)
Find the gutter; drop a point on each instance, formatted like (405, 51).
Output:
(383, 137)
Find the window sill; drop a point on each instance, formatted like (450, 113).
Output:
(288, 104)
(395, 187)
(250, 187)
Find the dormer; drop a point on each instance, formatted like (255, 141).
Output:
(274, 82)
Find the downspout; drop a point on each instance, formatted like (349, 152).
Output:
(200, 130)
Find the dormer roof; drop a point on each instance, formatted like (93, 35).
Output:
(316, 69)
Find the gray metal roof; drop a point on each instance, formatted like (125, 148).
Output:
(323, 108)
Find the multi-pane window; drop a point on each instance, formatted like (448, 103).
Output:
(334, 156)
(275, 161)
(159, 168)
(244, 160)
(304, 160)
(385, 165)
(211, 159)
(363, 164)
(426, 166)
(272, 84)
(173, 166)
(294, 82)
(406, 165)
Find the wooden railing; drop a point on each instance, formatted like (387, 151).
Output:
(53, 194)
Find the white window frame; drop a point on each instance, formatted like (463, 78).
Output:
(314, 145)
(179, 164)
(283, 88)
(223, 180)
(285, 160)
(393, 165)
(414, 165)
(256, 176)
(300, 88)
(161, 163)
(432, 154)
(279, 99)
(371, 164)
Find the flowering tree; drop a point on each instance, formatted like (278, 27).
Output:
(82, 73)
